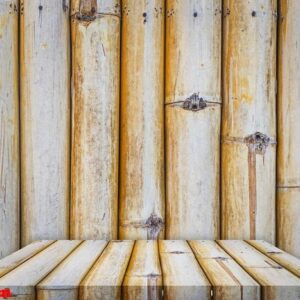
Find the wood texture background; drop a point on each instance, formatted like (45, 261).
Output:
(149, 119)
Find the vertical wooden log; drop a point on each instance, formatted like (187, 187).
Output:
(95, 113)
(288, 170)
(248, 120)
(9, 128)
(45, 119)
(142, 125)
(193, 58)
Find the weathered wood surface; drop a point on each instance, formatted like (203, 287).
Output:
(229, 280)
(105, 279)
(143, 278)
(288, 171)
(193, 80)
(147, 269)
(283, 258)
(15, 259)
(9, 129)
(45, 119)
(63, 282)
(142, 195)
(276, 282)
(182, 276)
(23, 279)
(248, 120)
(95, 118)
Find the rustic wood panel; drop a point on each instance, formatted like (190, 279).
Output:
(9, 129)
(229, 280)
(285, 259)
(193, 74)
(45, 119)
(248, 119)
(105, 279)
(63, 282)
(95, 116)
(23, 279)
(276, 282)
(182, 276)
(15, 259)
(288, 171)
(142, 195)
(143, 278)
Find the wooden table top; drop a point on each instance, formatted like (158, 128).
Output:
(201, 269)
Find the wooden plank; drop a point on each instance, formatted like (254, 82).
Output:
(288, 111)
(229, 280)
(285, 259)
(142, 195)
(105, 278)
(182, 276)
(23, 279)
(276, 282)
(143, 278)
(45, 119)
(95, 114)
(15, 259)
(63, 282)
(249, 119)
(193, 112)
(9, 129)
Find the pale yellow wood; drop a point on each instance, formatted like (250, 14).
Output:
(249, 120)
(9, 129)
(105, 279)
(45, 119)
(15, 259)
(288, 225)
(95, 129)
(276, 282)
(283, 258)
(228, 279)
(63, 282)
(288, 171)
(193, 69)
(143, 278)
(23, 279)
(182, 276)
(142, 195)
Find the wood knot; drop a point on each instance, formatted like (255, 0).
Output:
(87, 10)
(154, 225)
(258, 141)
(194, 103)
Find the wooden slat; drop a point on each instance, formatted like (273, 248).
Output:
(229, 280)
(15, 259)
(9, 128)
(143, 278)
(105, 278)
(276, 282)
(63, 282)
(285, 259)
(182, 276)
(25, 277)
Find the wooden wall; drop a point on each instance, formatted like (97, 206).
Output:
(149, 119)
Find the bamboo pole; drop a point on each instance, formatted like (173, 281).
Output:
(45, 119)
(141, 154)
(9, 129)
(95, 126)
(248, 121)
(193, 57)
(288, 179)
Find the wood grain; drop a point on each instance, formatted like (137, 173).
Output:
(193, 70)
(9, 129)
(45, 119)
(142, 195)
